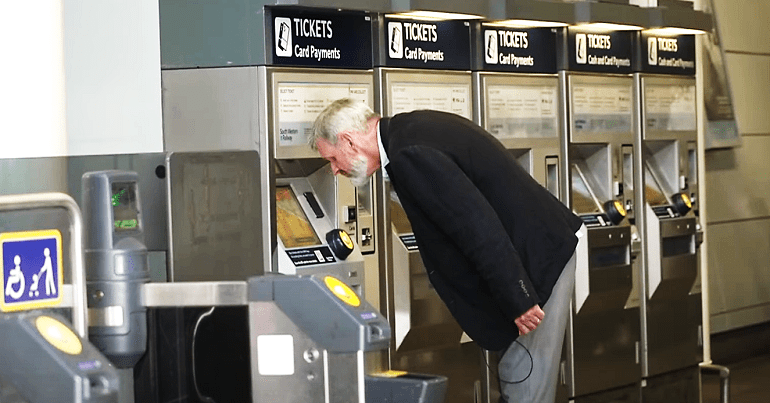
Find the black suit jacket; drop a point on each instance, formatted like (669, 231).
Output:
(493, 240)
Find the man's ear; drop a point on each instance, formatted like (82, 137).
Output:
(346, 137)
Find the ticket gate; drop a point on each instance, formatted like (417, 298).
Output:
(414, 72)
(45, 354)
(667, 188)
(601, 359)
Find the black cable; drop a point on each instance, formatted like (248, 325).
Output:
(531, 366)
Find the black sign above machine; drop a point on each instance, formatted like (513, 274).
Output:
(527, 50)
(666, 54)
(428, 44)
(600, 51)
(310, 37)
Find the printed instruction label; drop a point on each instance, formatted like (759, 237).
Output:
(408, 97)
(300, 103)
(601, 108)
(522, 111)
(670, 107)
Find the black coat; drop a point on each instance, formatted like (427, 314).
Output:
(493, 240)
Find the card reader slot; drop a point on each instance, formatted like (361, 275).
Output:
(314, 204)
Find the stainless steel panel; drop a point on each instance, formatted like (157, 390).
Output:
(214, 216)
(313, 375)
(306, 382)
(215, 293)
(604, 333)
(210, 109)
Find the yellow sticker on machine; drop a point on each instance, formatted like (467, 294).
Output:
(59, 335)
(342, 291)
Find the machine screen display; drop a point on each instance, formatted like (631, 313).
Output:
(582, 201)
(294, 229)
(125, 210)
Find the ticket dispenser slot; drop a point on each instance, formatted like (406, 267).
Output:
(552, 175)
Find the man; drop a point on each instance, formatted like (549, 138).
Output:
(497, 246)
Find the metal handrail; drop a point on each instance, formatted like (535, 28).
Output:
(61, 200)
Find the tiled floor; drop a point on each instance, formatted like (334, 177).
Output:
(749, 382)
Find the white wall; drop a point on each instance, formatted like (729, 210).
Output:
(32, 97)
(738, 180)
(112, 64)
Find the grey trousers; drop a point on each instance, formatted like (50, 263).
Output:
(544, 344)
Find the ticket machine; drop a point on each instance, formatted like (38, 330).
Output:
(265, 96)
(667, 188)
(601, 360)
(421, 64)
(516, 99)
(45, 352)
(516, 95)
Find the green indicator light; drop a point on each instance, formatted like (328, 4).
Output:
(116, 198)
(128, 224)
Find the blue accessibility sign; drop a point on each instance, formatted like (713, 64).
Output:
(32, 270)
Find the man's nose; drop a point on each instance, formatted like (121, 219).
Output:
(335, 169)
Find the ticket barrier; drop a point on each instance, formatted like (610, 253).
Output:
(667, 178)
(45, 354)
(333, 342)
(601, 349)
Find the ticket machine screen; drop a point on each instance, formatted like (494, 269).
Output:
(294, 229)
(124, 206)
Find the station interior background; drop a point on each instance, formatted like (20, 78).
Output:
(82, 77)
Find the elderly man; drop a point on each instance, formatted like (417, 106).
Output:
(497, 246)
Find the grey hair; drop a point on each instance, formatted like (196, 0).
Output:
(342, 115)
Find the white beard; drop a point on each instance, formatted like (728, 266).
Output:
(358, 175)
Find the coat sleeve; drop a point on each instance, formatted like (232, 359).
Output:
(454, 204)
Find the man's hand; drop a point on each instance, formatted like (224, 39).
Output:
(529, 320)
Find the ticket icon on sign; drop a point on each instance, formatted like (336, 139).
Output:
(32, 270)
